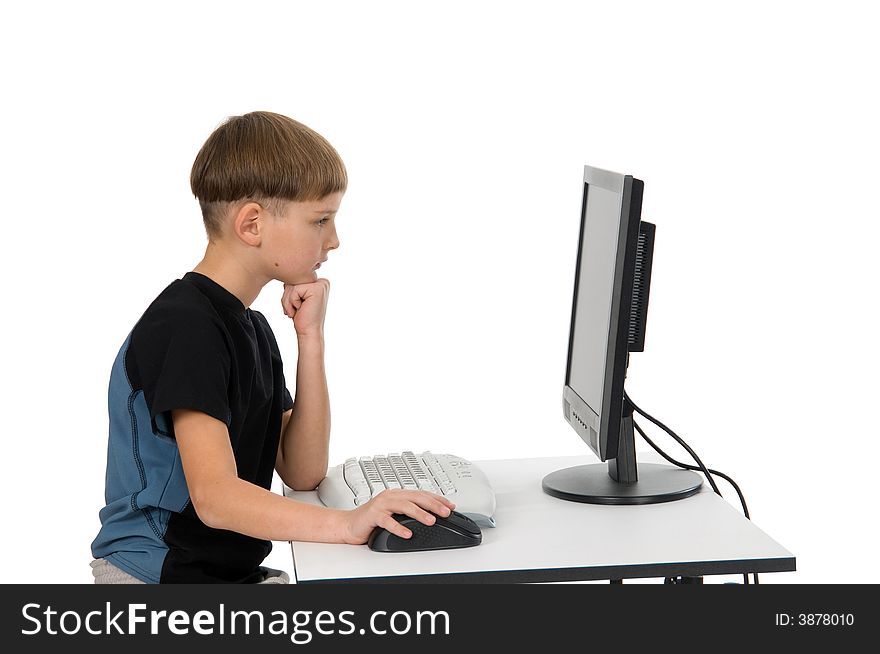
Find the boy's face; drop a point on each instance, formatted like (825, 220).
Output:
(299, 239)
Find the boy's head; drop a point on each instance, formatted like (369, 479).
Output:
(266, 157)
(261, 168)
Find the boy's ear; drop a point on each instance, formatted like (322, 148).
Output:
(247, 223)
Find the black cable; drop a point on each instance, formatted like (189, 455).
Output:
(706, 471)
(690, 467)
(678, 439)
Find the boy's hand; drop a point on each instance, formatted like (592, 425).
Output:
(361, 521)
(306, 304)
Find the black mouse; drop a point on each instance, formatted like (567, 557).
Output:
(456, 530)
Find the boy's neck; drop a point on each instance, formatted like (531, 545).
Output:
(231, 273)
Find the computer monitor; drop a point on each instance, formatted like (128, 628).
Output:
(608, 317)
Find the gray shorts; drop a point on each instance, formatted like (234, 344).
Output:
(105, 572)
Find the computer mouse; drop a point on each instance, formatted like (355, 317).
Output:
(453, 531)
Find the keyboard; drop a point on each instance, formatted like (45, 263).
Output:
(359, 479)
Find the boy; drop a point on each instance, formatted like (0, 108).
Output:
(199, 412)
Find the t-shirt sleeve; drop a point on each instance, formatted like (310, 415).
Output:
(287, 402)
(184, 362)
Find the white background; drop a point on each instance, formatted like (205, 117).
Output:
(465, 127)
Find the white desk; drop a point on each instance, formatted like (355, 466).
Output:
(541, 538)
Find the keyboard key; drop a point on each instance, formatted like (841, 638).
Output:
(386, 472)
(431, 487)
(372, 475)
(439, 474)
(354, 478)
(402, 472)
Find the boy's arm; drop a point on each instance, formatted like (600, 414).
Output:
(303, 450)
(223, 501)
(302, 456)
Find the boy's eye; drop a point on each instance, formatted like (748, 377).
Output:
(322, 222)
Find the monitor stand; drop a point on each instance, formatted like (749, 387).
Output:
(623, 481)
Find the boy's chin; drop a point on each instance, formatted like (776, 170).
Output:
(306, 278)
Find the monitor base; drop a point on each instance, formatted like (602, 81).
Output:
(593, 485)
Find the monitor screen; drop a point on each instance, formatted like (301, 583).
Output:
(597, 346)
(591, 312)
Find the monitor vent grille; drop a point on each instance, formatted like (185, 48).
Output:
(638, 313)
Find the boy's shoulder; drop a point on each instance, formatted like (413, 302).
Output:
(180, 308)
(180, 300)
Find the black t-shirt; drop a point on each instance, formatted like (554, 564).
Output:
(196, 347)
